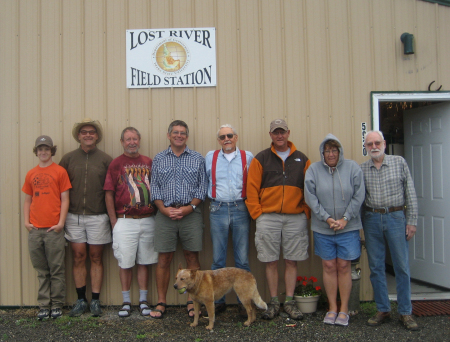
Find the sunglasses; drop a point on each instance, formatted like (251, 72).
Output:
(229, 136)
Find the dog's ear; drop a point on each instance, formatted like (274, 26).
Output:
(193, 273)
(179, 266)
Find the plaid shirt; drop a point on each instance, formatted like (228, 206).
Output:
(390, 186)
(177, 180)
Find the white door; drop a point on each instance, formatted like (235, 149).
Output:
(427, 151)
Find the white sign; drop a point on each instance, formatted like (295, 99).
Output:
(181, 57)
(363, 135)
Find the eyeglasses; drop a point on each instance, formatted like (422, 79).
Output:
(376, 143)
(331, 152)
(84, 132)
(183, 134)
(279, 132)
(229, 136)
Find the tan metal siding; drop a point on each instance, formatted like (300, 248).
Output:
(311, 62)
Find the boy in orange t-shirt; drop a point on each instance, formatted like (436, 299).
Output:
(45, 209)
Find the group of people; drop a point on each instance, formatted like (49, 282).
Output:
(149, 205)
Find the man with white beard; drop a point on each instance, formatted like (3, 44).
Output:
(390, 213)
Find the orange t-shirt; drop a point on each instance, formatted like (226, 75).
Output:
(45, 185)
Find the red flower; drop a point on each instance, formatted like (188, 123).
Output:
(314, 279)
(304, 283)
(299, 278)
(318, 288)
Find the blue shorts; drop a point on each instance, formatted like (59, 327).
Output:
(345, 246)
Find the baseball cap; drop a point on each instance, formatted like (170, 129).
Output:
(44, 140)
(278, 123)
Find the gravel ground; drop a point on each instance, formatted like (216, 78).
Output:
(21, 325)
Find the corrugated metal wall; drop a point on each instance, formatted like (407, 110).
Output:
(313, 62)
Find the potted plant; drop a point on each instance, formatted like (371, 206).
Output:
(307, 294)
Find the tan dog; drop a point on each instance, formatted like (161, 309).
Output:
(206, 286)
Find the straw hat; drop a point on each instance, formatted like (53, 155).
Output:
(85, 122)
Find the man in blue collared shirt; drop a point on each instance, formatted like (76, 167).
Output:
(226, 171)
(178, 185)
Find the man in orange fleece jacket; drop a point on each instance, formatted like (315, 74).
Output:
(275, 200)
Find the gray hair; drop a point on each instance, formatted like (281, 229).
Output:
(227, 126)
(378, 132)
(131, 129)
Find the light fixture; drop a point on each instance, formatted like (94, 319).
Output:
(408, 43)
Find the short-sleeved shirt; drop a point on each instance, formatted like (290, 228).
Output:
(45, 185)
(178, 180)
(129, 178)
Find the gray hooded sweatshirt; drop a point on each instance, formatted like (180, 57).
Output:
(334, 192)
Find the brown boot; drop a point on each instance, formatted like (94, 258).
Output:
(409, 322)
(379, 318)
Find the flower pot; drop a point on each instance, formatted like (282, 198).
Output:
(307, 304)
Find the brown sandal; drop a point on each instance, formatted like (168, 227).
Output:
(142, 308)
(189, 302)
(160, 311)
(128, 311)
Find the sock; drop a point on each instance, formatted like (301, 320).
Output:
(126, 296)
(143, 295)
(274, 299)
(142, 298)
(289, 298)
(95, 295)
(81, 292)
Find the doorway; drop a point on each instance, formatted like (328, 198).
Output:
(388, 110)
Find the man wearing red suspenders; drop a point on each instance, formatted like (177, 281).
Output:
(226, 170)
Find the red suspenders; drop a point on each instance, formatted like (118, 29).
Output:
(244, 173)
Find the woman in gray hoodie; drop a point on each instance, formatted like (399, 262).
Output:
(334, 190)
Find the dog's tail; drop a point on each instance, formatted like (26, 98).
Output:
(258, 300)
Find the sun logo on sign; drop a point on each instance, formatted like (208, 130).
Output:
(171, 56)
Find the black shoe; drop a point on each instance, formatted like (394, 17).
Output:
(79, 308)
(56, 313)
(220, 307)
(43, 314)
(95, 308)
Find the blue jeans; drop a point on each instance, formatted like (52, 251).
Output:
(225, 217)
(391, 227)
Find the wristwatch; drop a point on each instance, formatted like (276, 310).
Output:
(193, 206)
(345, 218)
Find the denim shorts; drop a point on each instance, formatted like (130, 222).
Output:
(345, 246)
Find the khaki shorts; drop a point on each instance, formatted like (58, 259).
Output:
(93, 229)
(288, 230)
(134, 242)
(189, 229)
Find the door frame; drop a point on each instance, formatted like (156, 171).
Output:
(395, 96)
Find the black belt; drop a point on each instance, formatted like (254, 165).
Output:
(385, 210)
(178, 205)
